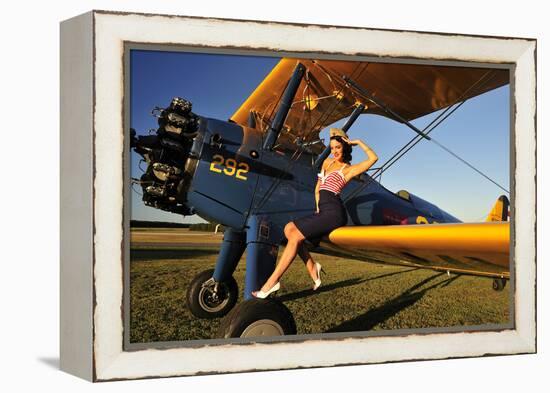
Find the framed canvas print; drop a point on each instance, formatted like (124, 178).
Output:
(303, 196)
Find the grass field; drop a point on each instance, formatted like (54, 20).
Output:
(355, 296)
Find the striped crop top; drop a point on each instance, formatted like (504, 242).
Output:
(334, 181)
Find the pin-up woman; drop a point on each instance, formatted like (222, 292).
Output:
(336, 172)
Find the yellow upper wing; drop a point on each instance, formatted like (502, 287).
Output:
(479, 248)
(323, 97)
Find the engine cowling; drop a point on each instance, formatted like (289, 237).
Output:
(166, 153)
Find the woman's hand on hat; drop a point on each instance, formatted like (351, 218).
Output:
(351, 142)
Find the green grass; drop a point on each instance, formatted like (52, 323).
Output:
(355, 296)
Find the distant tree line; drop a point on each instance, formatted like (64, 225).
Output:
(202, 227)
(206, 227)
(156, 224)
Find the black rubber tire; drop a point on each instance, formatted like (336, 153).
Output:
(257, 318)
(499, 284)
(199, 300)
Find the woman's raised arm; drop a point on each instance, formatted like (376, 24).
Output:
(363, 166)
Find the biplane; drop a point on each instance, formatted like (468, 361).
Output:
(257, 171)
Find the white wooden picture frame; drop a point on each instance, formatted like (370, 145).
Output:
(92, 194)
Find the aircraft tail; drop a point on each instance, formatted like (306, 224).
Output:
(500, 211)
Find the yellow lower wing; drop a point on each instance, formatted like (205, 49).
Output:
(480, 248)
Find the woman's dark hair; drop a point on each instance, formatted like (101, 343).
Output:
(346, 148)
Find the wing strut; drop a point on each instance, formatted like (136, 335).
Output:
(284, 106)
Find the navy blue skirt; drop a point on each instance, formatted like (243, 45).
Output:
(332, 214)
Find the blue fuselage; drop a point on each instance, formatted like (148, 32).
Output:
(234, 178)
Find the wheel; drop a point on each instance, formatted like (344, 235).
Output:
(258, 318)
(208, 299)
(499, 284)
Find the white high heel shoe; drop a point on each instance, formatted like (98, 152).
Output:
(263, 295)
(317, 282)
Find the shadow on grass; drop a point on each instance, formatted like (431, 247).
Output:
(144, 255)
(340, 284)
(380, 314)
(324, 288)
(449, 281)
(391, 274)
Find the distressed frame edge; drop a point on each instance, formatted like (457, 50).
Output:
(76, 208)
(525, 129)
(525, 337)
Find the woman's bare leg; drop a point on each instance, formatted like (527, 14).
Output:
(308, 261)
(295, 239)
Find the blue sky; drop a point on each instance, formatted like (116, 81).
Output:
(218, 84)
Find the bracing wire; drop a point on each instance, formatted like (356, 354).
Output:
(469, 165)
(484, 79)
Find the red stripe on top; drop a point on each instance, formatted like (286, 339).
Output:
(333, 182)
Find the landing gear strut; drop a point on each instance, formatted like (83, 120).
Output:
(499, 284)
(209, 299)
